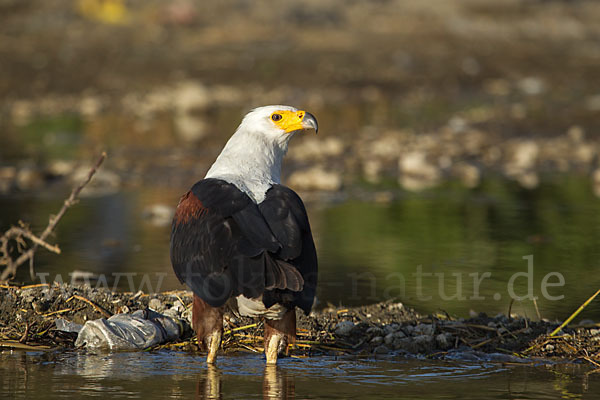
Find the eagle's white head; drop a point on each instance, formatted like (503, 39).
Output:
(251, 159)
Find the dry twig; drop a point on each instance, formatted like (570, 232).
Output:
(19, 234)
(104, 312)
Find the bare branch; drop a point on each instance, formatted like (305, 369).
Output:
(18, 233)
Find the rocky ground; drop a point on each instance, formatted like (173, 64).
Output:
(29, 315)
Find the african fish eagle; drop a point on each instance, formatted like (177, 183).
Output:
(240, 234)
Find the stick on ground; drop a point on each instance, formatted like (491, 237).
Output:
(580, 309)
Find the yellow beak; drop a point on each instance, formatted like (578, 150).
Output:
(300, 121)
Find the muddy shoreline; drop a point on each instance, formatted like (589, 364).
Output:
(28, 316)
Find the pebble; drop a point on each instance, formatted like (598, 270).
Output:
(424, 342)
(317, 149)
(28, 178)
(392, 338)
(468, 174)
(389, 339)
(7, 178)
(416, 172)
(390, 328)
(406, 344)
(315, 178)
(423, 329)
(156, 305)
(444, 340)
(382, 349)
(104, 180)
(40, 306)
(343, 328)
(377, 340)
(408, 329)
(374, 331)
(396, 306)
(159, 214)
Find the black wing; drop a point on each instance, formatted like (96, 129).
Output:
(223, 245)
(286, 216)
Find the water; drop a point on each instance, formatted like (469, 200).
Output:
(176, 375)
(450, 249)
(368, 252)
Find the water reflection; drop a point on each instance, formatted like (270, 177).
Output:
(209, 384)
(179, 375)
(277, 384)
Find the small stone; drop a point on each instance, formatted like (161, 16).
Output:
(7, 178)
(444, 340)
(315, 178)
(408, 329)
(343, 328)
(399, 334)
(468, 174)
(383, 349)
(159, 214)
(190, 95)
(406, 344)
(317, 149)
(138, 294)
(104, 181)
(424, 342)
(28, 177)
(424, 329)
(60, 167)
(156, 305)
(390, 328)
(377, 340)
(396, 306)
(374, 331)
(549, 347)
(532, 85)
(416, 172)
(389, 339)
(40, 306)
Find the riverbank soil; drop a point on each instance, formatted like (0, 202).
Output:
(28, 318)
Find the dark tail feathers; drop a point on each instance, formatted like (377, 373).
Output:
(281, 275)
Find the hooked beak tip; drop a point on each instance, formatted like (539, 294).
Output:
(309, 121)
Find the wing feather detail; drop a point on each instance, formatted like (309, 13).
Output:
(223, 244)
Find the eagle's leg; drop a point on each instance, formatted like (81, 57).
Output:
(279, 334)
(207, 322)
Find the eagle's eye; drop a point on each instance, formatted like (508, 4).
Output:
(276, 117)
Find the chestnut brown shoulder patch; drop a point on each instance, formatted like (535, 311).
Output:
(189, 207)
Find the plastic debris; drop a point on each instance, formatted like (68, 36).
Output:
(67, 326)
(139, 330)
